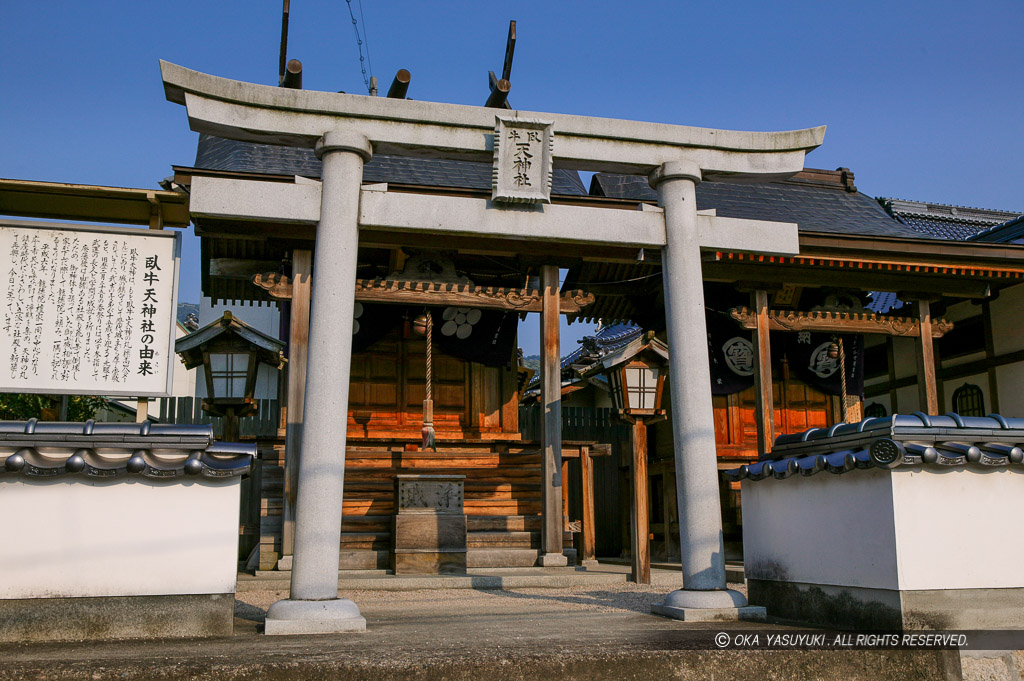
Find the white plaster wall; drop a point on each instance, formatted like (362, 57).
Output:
(904, 352)
(77, 538)
(958, 528)
(1010, 381)
(266, 317)
(1008, 320)
(184, 382)
(908, 399)
(824, 529)
(962, 310)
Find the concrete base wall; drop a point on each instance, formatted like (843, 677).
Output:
(845, 607)
(116, 617)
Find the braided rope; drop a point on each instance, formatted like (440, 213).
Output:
(430, 368)
(842, 369)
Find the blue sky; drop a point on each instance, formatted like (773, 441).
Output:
(923, 100)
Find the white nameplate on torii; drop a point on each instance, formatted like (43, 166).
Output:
(522, 169)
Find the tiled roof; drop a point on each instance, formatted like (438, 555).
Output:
(814, 206)
(891, 442)
(216, 153)
(882, 302)
(606, 341)
(945, 221)
(1006, 232)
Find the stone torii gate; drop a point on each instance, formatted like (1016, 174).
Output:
(345, 130)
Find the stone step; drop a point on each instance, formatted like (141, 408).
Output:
(509, 539)
(363, 559)
(502, 523)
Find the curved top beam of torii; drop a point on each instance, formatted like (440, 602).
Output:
(298, 118)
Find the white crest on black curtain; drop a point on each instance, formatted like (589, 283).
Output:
(357, 311)
(822, 365)
(459, 321)
(739, 356)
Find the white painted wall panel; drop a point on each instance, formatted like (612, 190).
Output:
(958, 528)
(1007, 320)
(1010, 379)
(79, 538)
(824, 529)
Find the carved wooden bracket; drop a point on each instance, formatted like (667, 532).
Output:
(279, 287)
(839, 322)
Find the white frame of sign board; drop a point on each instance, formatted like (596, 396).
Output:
(73, 388)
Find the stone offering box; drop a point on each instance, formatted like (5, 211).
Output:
(903, 522)
(429, 533)
(117, 530)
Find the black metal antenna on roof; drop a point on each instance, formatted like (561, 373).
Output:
(289, 73)
(498, 99)
(282, 62)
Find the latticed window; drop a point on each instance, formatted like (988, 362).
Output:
(875, 410)
(968, 400)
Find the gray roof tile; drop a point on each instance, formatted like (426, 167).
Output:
(216, 153)
(813, 207)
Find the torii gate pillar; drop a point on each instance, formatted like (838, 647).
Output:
(314, 606)
(704, 594)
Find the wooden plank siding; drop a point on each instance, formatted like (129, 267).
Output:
(502, 491)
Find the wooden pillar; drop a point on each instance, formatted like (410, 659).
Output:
(565, 495)
(990, 352)
(928, 394)
(551, 427)
(638, 512)
(894, 403)
(668, 491)
(589, 544)
(298, 348)
(763, 375)
(141, 410)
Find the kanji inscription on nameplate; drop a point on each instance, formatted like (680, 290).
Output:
(430, 494)
(523, 150)
(87, 310)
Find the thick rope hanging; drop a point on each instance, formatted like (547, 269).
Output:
(842, 369)
(428, 403)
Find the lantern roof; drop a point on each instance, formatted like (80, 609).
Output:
(269, 350)
(645, 344)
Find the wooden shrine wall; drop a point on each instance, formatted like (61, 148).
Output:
(387, 389)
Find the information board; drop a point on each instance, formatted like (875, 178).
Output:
(87, 310)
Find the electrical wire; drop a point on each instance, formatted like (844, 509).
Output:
(366, 38)
(363, 63)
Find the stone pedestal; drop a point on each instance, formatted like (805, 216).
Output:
(428, 535)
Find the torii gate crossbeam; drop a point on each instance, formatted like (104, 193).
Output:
(346, 129)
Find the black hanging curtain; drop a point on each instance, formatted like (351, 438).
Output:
(487, 337)
(731, 354)
(484, 336)
(808, 357)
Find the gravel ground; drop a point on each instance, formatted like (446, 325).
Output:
(605, 598)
